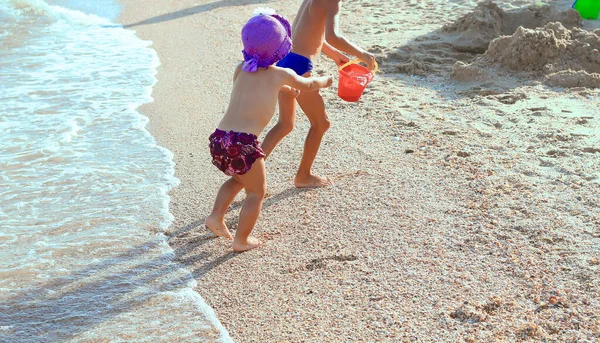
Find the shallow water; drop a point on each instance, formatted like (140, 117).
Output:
(84, 187)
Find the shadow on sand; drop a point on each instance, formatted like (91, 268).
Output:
(194, 10)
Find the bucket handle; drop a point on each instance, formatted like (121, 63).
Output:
(358, 61)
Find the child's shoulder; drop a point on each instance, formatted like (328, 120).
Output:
(275, 71)
(272, 72)
(283, 74)
(279, 70)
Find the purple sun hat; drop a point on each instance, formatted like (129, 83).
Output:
(267, 38)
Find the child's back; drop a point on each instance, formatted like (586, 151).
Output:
(309, 30)
(253, 99)
(254, 96)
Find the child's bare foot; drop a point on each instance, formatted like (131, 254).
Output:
(218, 227)
(250, 243)
(312, 181)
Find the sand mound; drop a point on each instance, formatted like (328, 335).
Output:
(567, 58)
(571, 78)
(474, 31)
(437, 52)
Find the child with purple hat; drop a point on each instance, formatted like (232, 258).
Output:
(234, 145)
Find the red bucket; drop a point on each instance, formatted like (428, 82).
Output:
(354, 79)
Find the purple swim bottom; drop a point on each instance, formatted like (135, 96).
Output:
(234, 152)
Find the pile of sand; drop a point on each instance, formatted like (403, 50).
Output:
(437, 52)
(566, 58)
(474, 31)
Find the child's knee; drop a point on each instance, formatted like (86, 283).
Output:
(287, 93)
(258, 191)
(322, 125)
(287, 127)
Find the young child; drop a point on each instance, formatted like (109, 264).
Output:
(234, 146)
(316, 29)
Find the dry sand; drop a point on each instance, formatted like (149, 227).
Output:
(461, 212)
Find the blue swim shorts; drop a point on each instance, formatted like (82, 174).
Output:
(298, 63)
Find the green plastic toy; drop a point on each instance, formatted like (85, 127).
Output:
(588, 9)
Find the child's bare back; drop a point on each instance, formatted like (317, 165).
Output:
(254, 96)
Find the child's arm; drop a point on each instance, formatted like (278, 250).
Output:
(305, 84)
(337, 40)
(337, 56)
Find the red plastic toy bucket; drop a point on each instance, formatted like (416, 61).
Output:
(354, 79)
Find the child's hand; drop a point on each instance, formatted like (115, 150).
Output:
(325, 81)
(329, 81)
(368, 59)
(287, 89)
(340, 59)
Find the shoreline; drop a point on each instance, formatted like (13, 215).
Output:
(424, 235)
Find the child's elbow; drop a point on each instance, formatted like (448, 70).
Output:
(333, 38)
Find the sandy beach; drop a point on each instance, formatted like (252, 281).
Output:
(466, 200)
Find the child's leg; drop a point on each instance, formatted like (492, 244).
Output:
(256, 186)
(285, 124)
(216, 220)
(314, 107)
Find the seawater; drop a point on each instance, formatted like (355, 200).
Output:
(84, 187)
